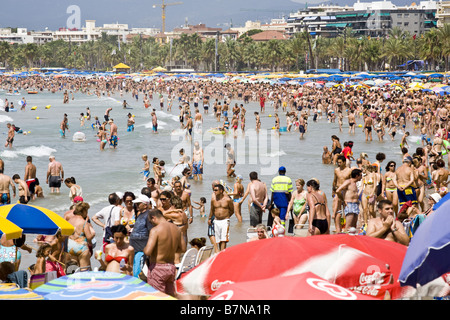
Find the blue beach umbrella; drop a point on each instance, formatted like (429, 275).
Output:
(35, 220)
(427, 256)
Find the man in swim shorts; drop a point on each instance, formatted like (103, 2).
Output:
(5, 183)
(165, 240)
(55, 174)
(405, 178)
(30, 176)
(197, 161)
(259, 199)
(350, 198)
(222, 209)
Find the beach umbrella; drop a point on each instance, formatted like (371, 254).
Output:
(427, 256)
(369, 82)
(98, 285)
(10, 291)
(363, 263)
(9, 229)
(36, 220)
(305, 286)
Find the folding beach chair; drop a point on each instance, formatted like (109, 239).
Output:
(187, 262)
(203, 254)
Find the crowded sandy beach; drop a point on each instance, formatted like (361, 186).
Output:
(150, 169)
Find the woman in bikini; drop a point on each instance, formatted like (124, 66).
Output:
(78, 243)
(369, 196)
(298, 204)
(390, 185)
(119, 255)
(319, 214)
(127, 213)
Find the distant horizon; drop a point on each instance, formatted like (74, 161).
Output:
(141, 14)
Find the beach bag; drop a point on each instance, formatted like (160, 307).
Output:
(108, 232)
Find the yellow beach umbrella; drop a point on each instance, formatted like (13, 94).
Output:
(9, 229)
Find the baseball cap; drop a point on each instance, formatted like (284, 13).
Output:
(282, 169)
(409, 159)
(77, 199)
(239, 176)
(142, 198)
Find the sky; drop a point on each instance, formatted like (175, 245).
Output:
(54, 14)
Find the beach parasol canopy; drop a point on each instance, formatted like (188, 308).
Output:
(36, 220)
(427, 256)
(99, 285)
(121, 66)
(366, 264)
(10, 291)
(9, 229)
(305, 286)
(159, 69)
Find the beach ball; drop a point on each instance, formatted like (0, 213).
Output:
(360, 113)
(360, 125)
(37, 118)
(270, 115)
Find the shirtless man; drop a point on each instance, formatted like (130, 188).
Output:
(351, 121)
(258, 122)
(10, 138)
(112, 133)
(326, 156)
(351, 198)
(385, 226)
(24, 193)
(164, 242)
(106, 116)
(55, 174)
(440, 176)
(231, 161)
(341, 173)
(197, 161)
(5, 183)
(258, 196)
(405, 179)
(222, 209)
(154, 190)
(185, 198)
(189, 125)
(368, 123)
(30, 176)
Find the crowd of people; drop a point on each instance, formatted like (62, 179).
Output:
(151, 228)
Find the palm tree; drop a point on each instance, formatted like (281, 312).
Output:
(444, 41)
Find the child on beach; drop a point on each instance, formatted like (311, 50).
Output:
(201, 206)
(146, 169)
(278, 229)
(162, 163)
(39, 192)
(275, 212)
(42, 255)
(157, 171)
(404, 142)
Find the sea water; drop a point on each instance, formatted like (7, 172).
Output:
(100, 173)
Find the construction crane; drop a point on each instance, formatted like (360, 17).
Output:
(163, 6)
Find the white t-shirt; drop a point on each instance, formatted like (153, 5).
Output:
(104, 215)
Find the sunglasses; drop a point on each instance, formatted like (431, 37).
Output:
(162, 199)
